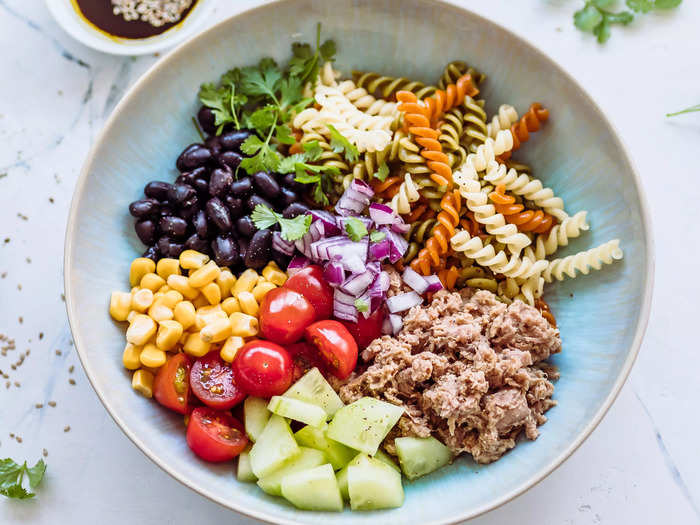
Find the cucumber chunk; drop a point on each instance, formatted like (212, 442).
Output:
(421, 456)
(313, 489)
(386, 458)
(313, 388)
(373, 485)
(255, 414)
(275, 445)
(342, 474)
(338, 454)
(244, 472)
(307, 458)
(297, 410)
(363, 424)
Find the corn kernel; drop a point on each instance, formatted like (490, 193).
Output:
(246, 282)
(164, 289)
(159, 312)
(243, 325)
(272, 273)
(248, 303)
(119, 305)
(200, 301)
(225, 280)
(167, 267)
(130, 357)
(202, 320)
(212, 292)
(260, 291)
(182, 285)
(140, 330)
(183, 338)
(132, 314)
(216, 331)
(196, 346)
(152, 356)
(260, 280)
(140, 267)
(204, 275)
(141, 300)
(184, 314)
(171, 298)
(209, 309)
(169, 333)
(230, 305)
(193, 260)
(158, 295)
(152, 281)
(232, 345)
(142, 382)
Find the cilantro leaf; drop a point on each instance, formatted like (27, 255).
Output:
(265, 160)
(355, 228)
(251, 145)
(283, 134)
(328, 50)
(288, 164)
(257, 82)
(12, 476)
(666, 4)
(640, 6)
(36, 473)
(306, 178)
(602, 31)
(290, 229)
(602, 4)
(263, 217)
(306, 62)
(312, 150)
(691, 109)
(320, 196)
(17, 492)
(263, 118)
(290, 91)
(340, 144)
(377, 236)
(382, 172)
(361, 305)
(588, 18)
(623, 18)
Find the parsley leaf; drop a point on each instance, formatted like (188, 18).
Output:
(12, 476)
(377, 236)
(382, 172)
(361, 305)
(290, 229)
(355, 228)
(340, 144)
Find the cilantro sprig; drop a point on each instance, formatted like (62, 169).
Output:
(12, 478)
(339, 144)
(691, 109)
(290, 229)
(307, 173)
(355, 228)
(361, 305)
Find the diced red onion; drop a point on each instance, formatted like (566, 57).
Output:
(354, 199)
(380, 250)
(344, 306)
(382, 214)
(434, 283)
(357, 284)
(343, 298)
(396, 322)
(374, 267)
(386, 326)
(400, 227)
(352, 255)
(315, 233)
(334, 273)
(282, 245)
(320, 248)
(415, 280)
(403, 301)
(397, 245)
(298, 263)
(328, 220)
(361, 187)
(377, 291)
(354, 264)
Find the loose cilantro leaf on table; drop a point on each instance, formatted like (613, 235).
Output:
(12, 477)
(291, 229)
(340, 144)
(691, 109)
(355, 228)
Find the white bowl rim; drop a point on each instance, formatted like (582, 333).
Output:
(536, 477)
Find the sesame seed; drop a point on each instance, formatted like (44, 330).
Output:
(58, 352)
(44, 452)
(67, 428)
(17, 384)
(71, 381)
(21, 319)
(41, 335)
(52, 403)
(155, 13)
(18, 439)
(70, 370)
(12, 436)
(39, 405)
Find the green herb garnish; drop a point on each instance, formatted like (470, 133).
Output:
(691, 109)
(290, 229)
(355, 228)
(361, 305)
(377, 236)
(308, 173)
(340, 144)
(12, 477)
(382, 172)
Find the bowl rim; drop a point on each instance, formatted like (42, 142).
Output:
(536, 476)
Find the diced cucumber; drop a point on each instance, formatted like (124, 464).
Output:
(313, 489)
(373, 485)
(363, 424)
(421, 456)
(297, 410)
(307, 458)
(338, 454)
(313, 388)
(256, 414)
(342, 474)
(274, 446)
(386, 458)
(244, 472)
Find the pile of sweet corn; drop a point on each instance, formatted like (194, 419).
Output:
(187, 305)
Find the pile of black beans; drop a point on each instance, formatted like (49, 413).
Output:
(208, 206)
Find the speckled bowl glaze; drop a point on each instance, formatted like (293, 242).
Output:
(602, 316)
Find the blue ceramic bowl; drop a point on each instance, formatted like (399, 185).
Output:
(577, 153)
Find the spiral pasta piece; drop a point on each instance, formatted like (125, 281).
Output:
(448, 277)
(386, 87)
(419, 232)
(504, 119)
(456, 69)
(407, 193)
(583, 262)
(535, 221)
(559, 235)
(439, 242)
(528, 123)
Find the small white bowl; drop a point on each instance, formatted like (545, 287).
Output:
(64, 12)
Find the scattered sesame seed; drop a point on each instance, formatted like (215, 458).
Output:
(58, 352)
(14, 367)
(18, 439)
(44, 452)
(27, 352)
(7, 240)
(39, 405)
(67, 428)
(29, 260)
(22, 216)
(21, 319)
(3, 275)
(70, 370)
(71, 381)
(51, 200)
(63, 297)
(18, 384)
(41, 335)
(52, 403)
(19, 287)
(12, 436)
(7, 384)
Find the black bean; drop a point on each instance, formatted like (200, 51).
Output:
(242, 187)
(254, 200)
(235, 206)
(291, 183)
(194, 242)
(157, 190)
(246, 227)
(167, 209)
(295, 209)
(220, 182)
(202, 187)
(219, 214)
(200, 224)
(168, 248)
(146, 231)
(287, 197)
(151, 252)
(258, 253)
(189, 212)
(193, 156)
(232, 140)
(230, 159)
(144, 208)
(266, 184)
(225, 250)
(173, 226)
(182, 195)
(214, 145)
(242, 247)
(197, 173)
(281, 259)
(206, 119)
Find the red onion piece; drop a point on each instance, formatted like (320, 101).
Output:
(382, 214)
(298, 263)
(334, 273)
(357, 284)
(282, 245)
(415, 280)
(328, 220)
(403, 302)
(396, 322)
(434, 283)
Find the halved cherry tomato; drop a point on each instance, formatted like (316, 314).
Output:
(310, 283)
(263, 368)
(171, 386)
(213, 383)
(366, 330)
(304, 357)
(335, 344)
(215, 435)
(284, 314)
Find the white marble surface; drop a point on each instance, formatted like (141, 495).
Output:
(640, 466)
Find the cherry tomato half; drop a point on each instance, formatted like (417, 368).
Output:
(310, 283)
(366, 330)
(283, 316)
(304, 357)
(215, 435)
(171, 386)
(335, 344)
(213, 383)
(263, 369)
